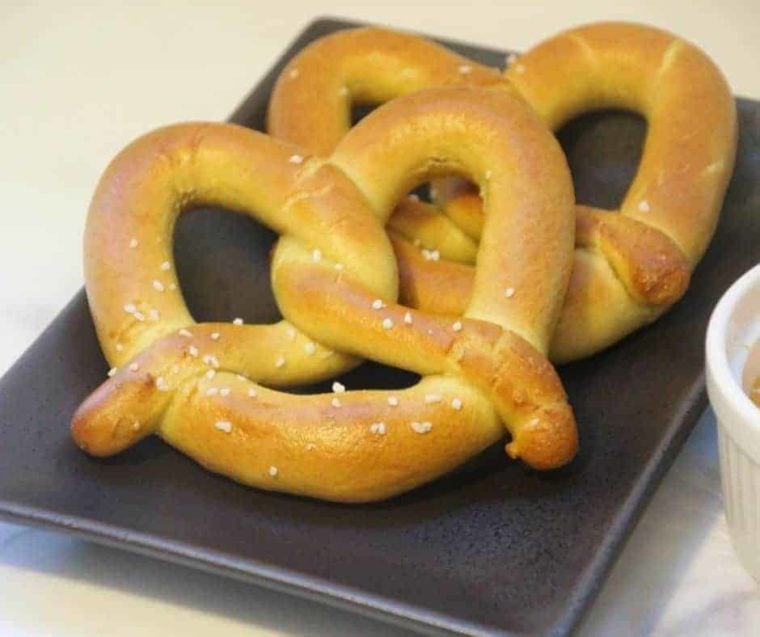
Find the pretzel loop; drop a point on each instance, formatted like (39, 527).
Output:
(198, 386)
(669, 213)
(134, 293)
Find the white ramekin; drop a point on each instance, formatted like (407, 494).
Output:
(733, 362)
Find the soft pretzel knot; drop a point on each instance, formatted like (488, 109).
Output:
(203, 387)
(629, 267)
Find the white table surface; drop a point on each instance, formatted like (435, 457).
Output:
(81, 80)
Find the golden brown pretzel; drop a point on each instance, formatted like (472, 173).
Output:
(629, 267)
(483, 369)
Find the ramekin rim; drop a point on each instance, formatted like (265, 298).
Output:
(716, 350)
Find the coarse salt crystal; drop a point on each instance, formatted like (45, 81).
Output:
(431, 255)
(421, 427)
(223, 425)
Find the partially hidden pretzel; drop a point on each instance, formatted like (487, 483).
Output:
(201, 387)
(629, 267)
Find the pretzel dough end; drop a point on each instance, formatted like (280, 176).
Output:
(115, 416)
(548, 441)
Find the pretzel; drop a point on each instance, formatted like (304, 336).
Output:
(630, 267)
(201, 386)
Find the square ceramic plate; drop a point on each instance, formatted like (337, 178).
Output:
(492, 549)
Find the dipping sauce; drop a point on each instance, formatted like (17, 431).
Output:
(754, 393)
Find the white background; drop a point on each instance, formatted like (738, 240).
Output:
(80, 80)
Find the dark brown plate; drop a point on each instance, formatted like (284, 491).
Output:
(493, 549)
